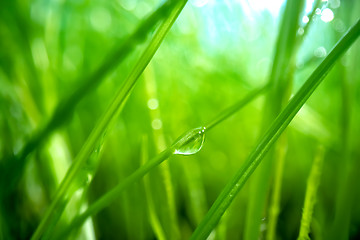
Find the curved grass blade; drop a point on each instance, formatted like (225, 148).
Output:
(281, 80)
(274, 208)
(311, 192)
(112, 112)
(66, 107)
(232, 109)
(80, 185)
(272, 134)
(153, 217)
(167, 211)
(113, 194)
(347, 168)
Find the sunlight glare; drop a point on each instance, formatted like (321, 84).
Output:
(272, 6)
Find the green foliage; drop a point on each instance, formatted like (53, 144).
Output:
(272, 134)
(310, 196)
(94, 93)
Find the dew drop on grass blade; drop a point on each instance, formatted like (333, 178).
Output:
(226, 197)
(191, 142)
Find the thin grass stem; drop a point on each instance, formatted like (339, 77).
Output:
(281, 84)
(110, 115)
(168, 205)
(310, 195)
(274, 208)
(235, 107)
(272, 134)
(66, 107)
(345, 175)
(153, 218)
(113, 194)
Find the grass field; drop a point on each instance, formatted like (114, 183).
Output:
(171, 119)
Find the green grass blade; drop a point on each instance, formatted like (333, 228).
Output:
(274, 208)
(310, 195)
(21, 29)
(272, 134)
(113, 194)
(281, 83)
(109, 116)
(153, 218)
(82, 183)
(167, 202)
(235, 107)
(66, 107)
(347, 164)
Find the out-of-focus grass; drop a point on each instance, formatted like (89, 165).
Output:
(213, 56)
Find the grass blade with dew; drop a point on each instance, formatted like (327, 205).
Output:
(66, 107)
(302, 32)
(310, 195)
(112, 112)
(186, 139)
(272, 134)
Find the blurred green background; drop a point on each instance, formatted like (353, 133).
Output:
(216, 52)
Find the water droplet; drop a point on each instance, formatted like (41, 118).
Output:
(300, 31)
(191, 142)
(128, 5)
(320, 52)
(339, 25)
(305, 19)
(100, 19)
(334, 3)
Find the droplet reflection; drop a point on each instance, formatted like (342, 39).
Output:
(191, 142)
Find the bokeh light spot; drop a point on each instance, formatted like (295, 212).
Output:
(199, 3)
(327, 15)
(156, 124)
(153, 103)
(100, 19)
(305, 19)
(320, 52)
